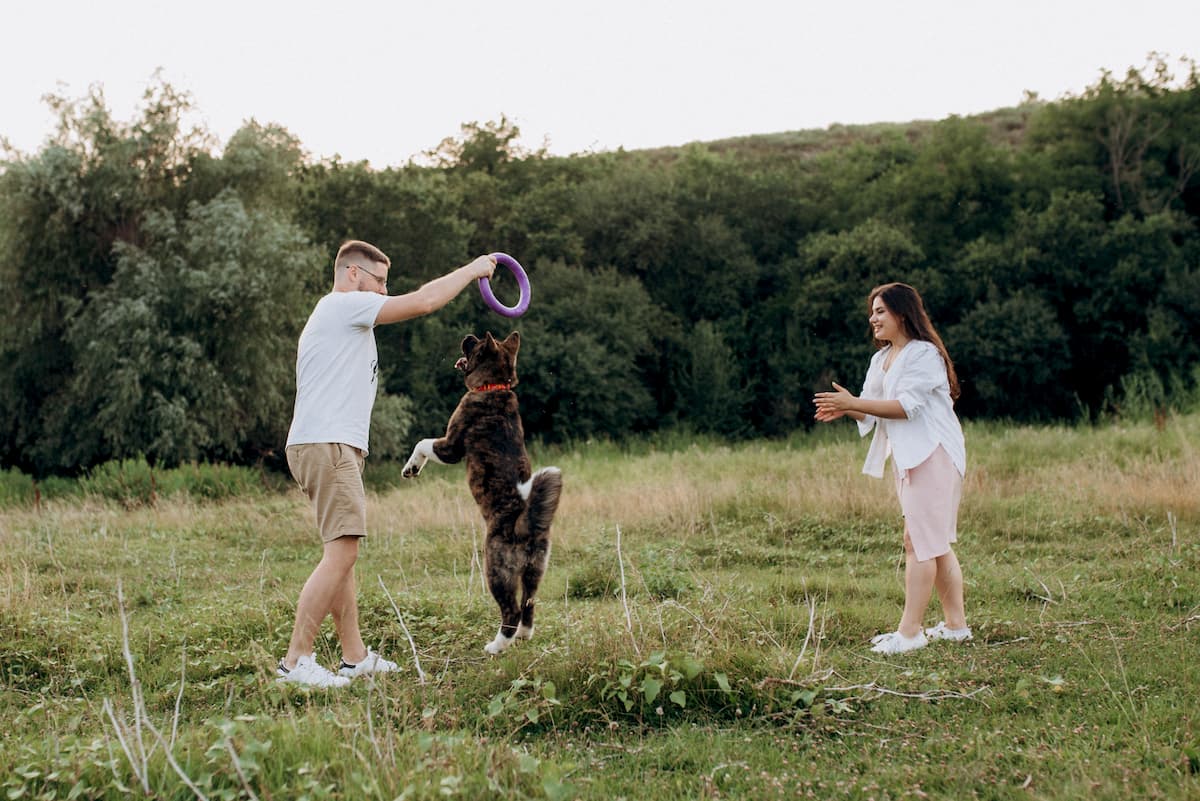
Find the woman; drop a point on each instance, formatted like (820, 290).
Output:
(908, 399)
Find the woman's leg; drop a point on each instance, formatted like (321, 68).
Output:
(918, 589)
(949, 583)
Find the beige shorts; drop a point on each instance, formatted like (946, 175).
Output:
(331, 476)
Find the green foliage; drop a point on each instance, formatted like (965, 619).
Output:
(130, 482)
(169, 326)
(658, 688)
(215, 482)
(157, 287)
(134, 482)
(815, 327)
(665, 573)
(188, 352)
(391, 424)
(61, 213)
(16, 488)
(526, 702)
(1012, 355)
(586, 348)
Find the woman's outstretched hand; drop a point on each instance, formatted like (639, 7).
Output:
(832, 405)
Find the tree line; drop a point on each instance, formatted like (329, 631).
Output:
(155, 283)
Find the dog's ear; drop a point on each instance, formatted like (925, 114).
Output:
(512, 343)
(469, 343)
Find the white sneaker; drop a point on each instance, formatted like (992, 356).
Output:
(896, 643)
(942, 632)
(369, 664)
(309, 673)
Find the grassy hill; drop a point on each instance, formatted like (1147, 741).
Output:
(1006, 125)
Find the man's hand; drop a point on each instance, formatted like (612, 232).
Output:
(482, 267)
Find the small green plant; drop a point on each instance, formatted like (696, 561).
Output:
(596, 574)
(526, 702)
(665, 573)
(658, 686)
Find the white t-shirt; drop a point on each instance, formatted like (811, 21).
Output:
(336, 370)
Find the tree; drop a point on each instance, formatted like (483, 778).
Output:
(958, 188)
(814, 330)
(188, 353)
(482, 147)
(1136, 134)
(1011, 356)
(712, 391)
(62, 211)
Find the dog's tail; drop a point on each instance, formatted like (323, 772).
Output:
(545, 489)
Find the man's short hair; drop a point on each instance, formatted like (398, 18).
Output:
(347, 252)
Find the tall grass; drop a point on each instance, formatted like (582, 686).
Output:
(722, 652)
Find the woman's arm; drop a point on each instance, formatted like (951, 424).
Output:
(828, 417)
(842, 402)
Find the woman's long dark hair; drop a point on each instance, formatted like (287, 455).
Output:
(905, 302)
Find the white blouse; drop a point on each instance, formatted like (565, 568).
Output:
(918, 379)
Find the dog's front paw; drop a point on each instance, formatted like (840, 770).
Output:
(412, 468)
(524, 632)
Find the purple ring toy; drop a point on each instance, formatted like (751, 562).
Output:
(485, 288)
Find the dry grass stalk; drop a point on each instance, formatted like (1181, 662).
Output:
(132, 742)
(811, 603)
(624, 599)
(237, 768)
(416, 659)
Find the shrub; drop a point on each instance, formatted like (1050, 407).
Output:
(16, 488)
(134, 482)
(130, 482)
(211, 481)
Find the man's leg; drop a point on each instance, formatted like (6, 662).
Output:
(345, 621)
(323, 588)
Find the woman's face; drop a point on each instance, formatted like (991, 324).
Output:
(885, 325)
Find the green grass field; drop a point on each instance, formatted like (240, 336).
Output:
(721, 652)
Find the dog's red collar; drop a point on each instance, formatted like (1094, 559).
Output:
(492, 388)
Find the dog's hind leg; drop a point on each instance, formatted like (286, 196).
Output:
(525, 630)
(531, 577)
(504, 589)
(509, 629)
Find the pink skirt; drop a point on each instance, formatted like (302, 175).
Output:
(929, 494)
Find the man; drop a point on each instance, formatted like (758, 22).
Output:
(336, 371)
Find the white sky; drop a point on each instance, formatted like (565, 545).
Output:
(384, 81)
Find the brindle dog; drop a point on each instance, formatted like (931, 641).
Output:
(517, 505)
